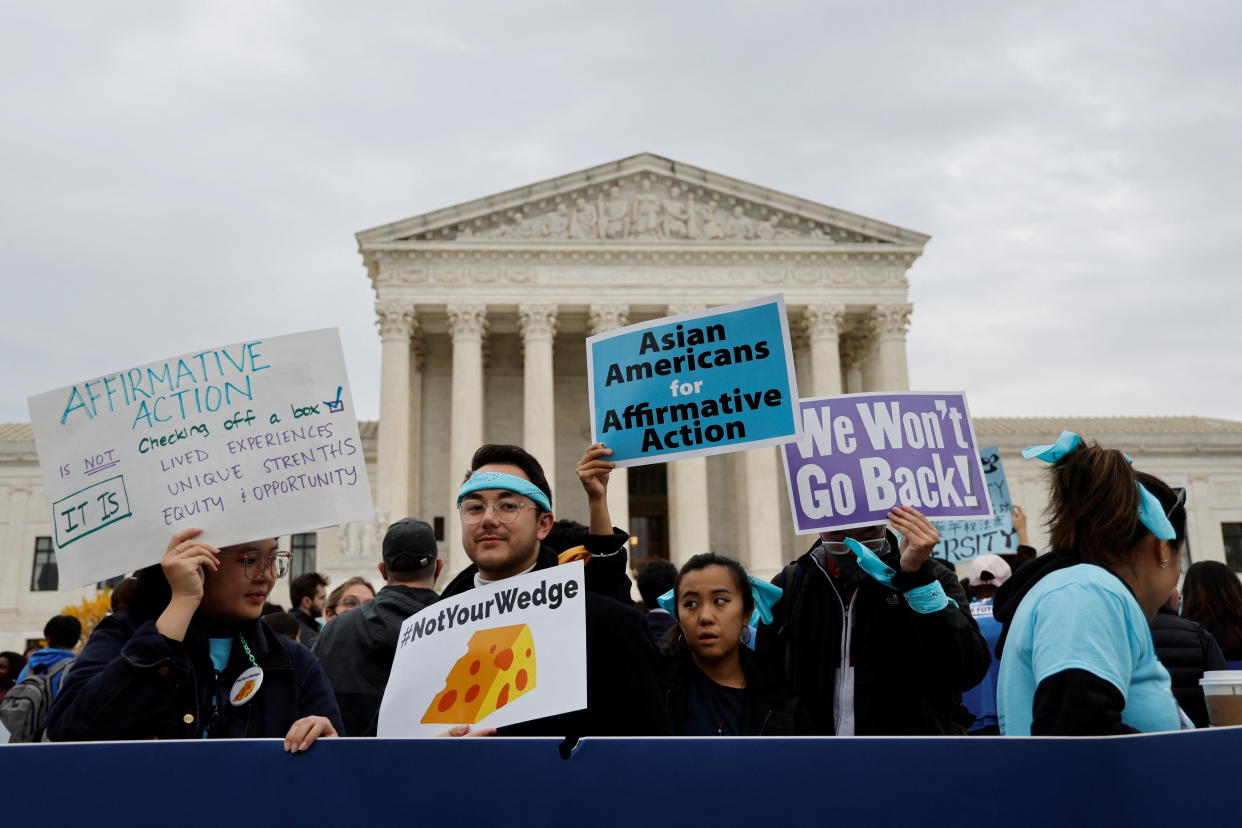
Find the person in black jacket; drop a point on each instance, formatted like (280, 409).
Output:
(1212, 596)
(1186, 650)
(190, 659)
(357, 647)
(869, 656)
(502, 531)
(714, 684)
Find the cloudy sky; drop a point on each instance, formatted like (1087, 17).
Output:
(179, 175)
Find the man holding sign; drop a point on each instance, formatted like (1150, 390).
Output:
(875, 636)
(506, 512)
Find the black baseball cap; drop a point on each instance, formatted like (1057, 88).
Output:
(412, 542)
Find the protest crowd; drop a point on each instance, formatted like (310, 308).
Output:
(865, 634)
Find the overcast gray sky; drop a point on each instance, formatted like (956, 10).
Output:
(179, 175)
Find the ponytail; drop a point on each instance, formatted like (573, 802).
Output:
(1094, 506)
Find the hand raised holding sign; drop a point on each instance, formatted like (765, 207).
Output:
(183, 565)
(918, 536)
(593, 472)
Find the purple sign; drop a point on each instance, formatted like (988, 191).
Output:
(859, 455)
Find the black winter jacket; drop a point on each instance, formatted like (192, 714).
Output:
(623, 682)
(309, 628)
(357, 647)
(768, 707)
(130, 682)
(909, 668)
(1186, 650)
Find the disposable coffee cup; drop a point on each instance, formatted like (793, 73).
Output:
(1222, 690)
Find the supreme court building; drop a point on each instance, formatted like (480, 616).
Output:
(482, 309)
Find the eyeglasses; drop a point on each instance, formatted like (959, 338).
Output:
(1181, 498)
(349, 601)
(506, 511)
(256, 565)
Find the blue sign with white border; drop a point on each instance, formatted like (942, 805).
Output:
(706, 382)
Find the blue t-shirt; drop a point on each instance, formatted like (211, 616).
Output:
(981, 699)
(1083, 617)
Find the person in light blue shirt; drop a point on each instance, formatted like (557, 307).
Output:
(1076, 653)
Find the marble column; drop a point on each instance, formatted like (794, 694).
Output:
(761, 511)
(467, 325)
(538, 326)
(853, 352)
(889, 324)
(872, 378)
(689, 521)
(398, 420)
(606, 317)
(802, 359)
(20, 554)
(822, 324)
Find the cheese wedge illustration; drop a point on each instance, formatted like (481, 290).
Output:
(245, 690)
(499, 666)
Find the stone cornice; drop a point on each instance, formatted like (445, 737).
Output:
(567, 187)
(680, 250)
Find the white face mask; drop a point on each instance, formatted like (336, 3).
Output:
(879, 546)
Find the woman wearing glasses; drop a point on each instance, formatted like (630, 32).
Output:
(1077, 657)
(350, 595)
(189, 658)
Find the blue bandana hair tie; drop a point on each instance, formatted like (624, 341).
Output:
(1151, 513)
(1067, 442)
(764, 593)
(499, 480)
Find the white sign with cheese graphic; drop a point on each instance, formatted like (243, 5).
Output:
(497, 655)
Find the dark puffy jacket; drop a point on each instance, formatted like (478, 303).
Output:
(623, 682)
(768, 706)
(130, 682)
(309, 628)
(357, 647)
(909, 668)
(1186, 650)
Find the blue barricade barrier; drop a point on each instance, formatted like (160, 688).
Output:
(1187, 779)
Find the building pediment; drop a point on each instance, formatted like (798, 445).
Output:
(641, 200)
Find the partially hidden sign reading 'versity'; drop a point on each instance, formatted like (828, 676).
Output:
(859, 455)
(251, 440)
(700, 383)
(499, 654)
(961, 540)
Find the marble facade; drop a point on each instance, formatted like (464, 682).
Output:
(499, 294)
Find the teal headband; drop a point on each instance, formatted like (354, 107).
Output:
(498, 480)
(1151, 513)
(764, 593)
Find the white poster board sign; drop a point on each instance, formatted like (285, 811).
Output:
(246, 441)
(500, 654)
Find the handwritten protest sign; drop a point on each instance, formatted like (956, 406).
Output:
(503, 653)
(250, 440)
(961, 540)
(706, 382)
(859, 455)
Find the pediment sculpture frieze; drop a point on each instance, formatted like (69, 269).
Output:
(641, 209)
